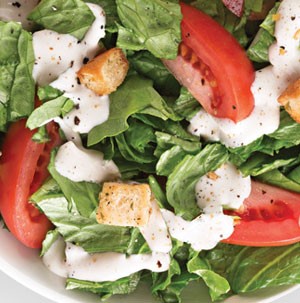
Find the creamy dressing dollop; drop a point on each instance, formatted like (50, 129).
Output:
(269, 83)
(57, 59)
(80, 164)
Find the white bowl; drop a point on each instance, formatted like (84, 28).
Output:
(25, 266)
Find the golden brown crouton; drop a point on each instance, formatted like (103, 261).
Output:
(124, 204)
(105, 72)
(290, 99)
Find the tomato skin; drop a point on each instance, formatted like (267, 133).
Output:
(23, 169)
(230, 95)
(270, 217)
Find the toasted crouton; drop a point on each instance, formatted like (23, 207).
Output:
(290, 99)
(124, 204)
(105, 72)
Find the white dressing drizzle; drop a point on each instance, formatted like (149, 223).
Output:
(68, 260)
(80, 164)
(226, 187)
(156, 232)
(17, 11)
(204, 232)
(59, 57)
(284, 54)
(269, 83)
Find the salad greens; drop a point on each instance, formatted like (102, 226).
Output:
(17, 87)
(66, 17)
(145, 135)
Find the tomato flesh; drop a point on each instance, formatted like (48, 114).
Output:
(223, 87)
(23, 169)
(269, 217)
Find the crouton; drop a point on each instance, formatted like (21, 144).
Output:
(105, 72)
(290, 99)
(124, 204)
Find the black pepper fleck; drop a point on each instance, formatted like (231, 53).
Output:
(76, 120)
(16, 4)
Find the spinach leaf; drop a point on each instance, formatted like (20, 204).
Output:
(252, 268)
(66, 17)
(181, 182)
(136, 144)
(260, 163)
(277, 178)
(122, 286)
(259, 48)
(186, 105)
(217, 285)
(153, 25)
(83, 194)
(51, 237)
(134, 95)
(83, 231)
(48, 111)
(151, 67)
(169, 160)
(111, 14)
(17, 87)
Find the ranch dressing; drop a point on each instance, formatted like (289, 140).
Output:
(57, 59)
(224, 187)
(69, 260)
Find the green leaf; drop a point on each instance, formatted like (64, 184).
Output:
(83, 194)
(158, 192)
(181, 183)
(217, 285)
(277, 178)
(82, 231)
(258, 51)
(259, 48)
(153, 25)
(260, 163)
(151, 67)
(133, 96)
(186, 105)
(17, 88)
(66, 17)
(111, 14)
(51, 237)
(121, 286)
(169, 160)
(48, 111)
(252, 268)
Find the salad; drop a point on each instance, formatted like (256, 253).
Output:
(153, 141)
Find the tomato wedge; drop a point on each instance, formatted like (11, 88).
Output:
(23, 169)
(270, 217)
(213, 66)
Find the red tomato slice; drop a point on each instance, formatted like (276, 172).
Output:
(270, 217)
(213, 66)
(23, 169)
